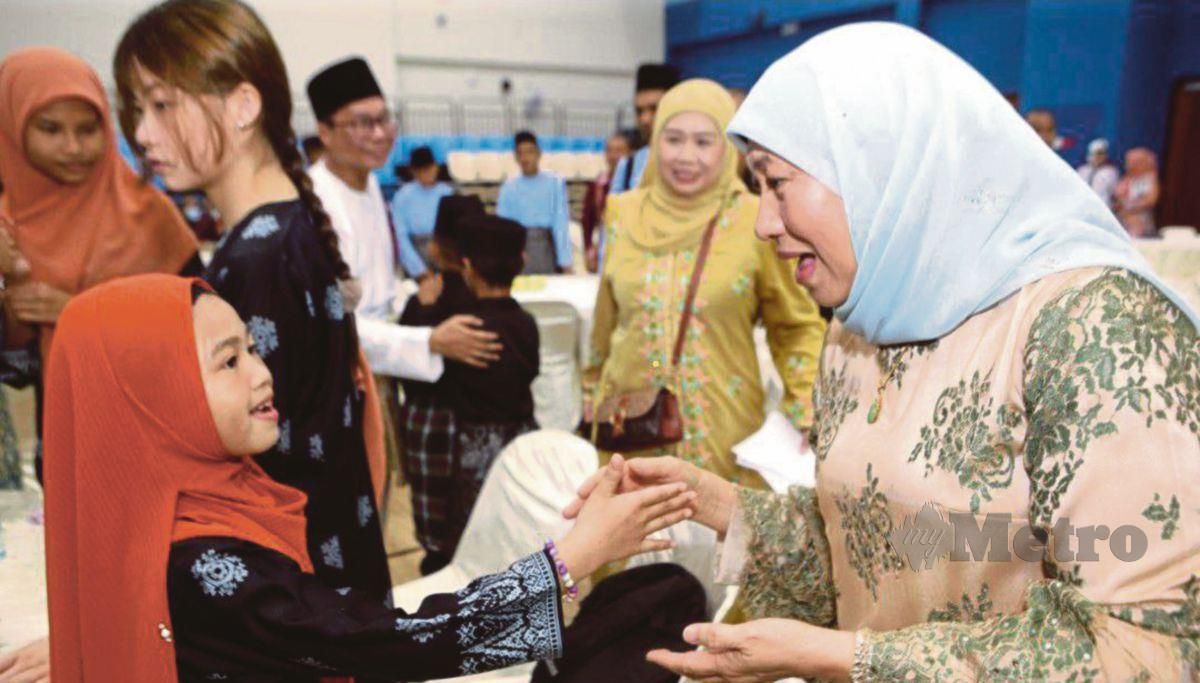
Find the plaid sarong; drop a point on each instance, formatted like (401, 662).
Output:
(426, 433)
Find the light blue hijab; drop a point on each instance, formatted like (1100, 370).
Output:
(953, 202)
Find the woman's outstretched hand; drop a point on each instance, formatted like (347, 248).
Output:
(761, 651)
(611, 525)
(715, 497)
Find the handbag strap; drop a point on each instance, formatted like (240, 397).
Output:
(693, 285)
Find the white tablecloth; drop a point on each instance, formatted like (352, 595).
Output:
(577, 290)
(23, 615)
(1177, 261)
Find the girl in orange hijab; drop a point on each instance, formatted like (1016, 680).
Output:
(171, 555)
(73, 214)
(77, 212)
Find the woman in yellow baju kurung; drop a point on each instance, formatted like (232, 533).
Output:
(653, 235)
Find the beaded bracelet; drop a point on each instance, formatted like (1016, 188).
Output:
(569, 586)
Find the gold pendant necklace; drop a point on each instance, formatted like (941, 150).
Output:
(877, 405)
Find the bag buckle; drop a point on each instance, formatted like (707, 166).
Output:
(618, 418)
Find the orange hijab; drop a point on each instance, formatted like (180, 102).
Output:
(133, 463)
(76, 236)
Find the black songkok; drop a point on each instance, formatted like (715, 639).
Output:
(339, 85)
(488, 235)
(656, 77)
(451, 211)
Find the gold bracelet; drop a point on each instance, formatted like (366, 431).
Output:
(862, 657)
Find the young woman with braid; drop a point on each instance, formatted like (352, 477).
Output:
(203, 91)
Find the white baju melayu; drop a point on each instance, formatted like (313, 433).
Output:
(364, 238)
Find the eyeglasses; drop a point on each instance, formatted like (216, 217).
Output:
(365, 125)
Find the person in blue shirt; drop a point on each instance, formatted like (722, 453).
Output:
(538, 200)
(653, 81)
(414, 211)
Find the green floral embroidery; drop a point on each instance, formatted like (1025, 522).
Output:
(794, 364)
(1182, 622)
(734, 386)
(899, 355)
(654, 277)
(966, 610)
(788, 571)
(1168, 515)
(967, 437)
(833, 400)
(657, 358)
(868, 526)
(796, 412)
(741, 284)
(1049, 640)
(1098, 346)
(654, 331)
(1073, 578)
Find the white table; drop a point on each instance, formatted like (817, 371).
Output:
(577, 290)
(23, 615)
(1176, 259)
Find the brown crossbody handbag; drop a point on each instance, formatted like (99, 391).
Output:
(648, 418)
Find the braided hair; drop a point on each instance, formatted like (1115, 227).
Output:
(283, 141)
(209, 47)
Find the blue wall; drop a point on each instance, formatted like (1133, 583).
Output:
(994, 47)
(1106, 68)
(1162, 50)
(740, 55)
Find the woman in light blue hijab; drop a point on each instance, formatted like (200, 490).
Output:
(1008, 412)
(952, 202)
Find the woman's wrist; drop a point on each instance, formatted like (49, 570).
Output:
(834, 656)
(716, 501)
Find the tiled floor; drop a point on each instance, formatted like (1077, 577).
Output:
(404, 554)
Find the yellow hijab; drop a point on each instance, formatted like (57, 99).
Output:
(667, 221)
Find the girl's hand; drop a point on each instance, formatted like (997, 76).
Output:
(36, 302)
(715, 497)
(12, 264)
(612, 526)
(29, 664)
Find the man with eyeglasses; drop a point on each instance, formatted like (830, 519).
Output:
(358, 131)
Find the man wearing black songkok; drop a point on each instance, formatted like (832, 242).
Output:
(358, 131)
(653, 81)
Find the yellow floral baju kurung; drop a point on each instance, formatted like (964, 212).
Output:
(652, 239)
(1076, 401)
(718, 381)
